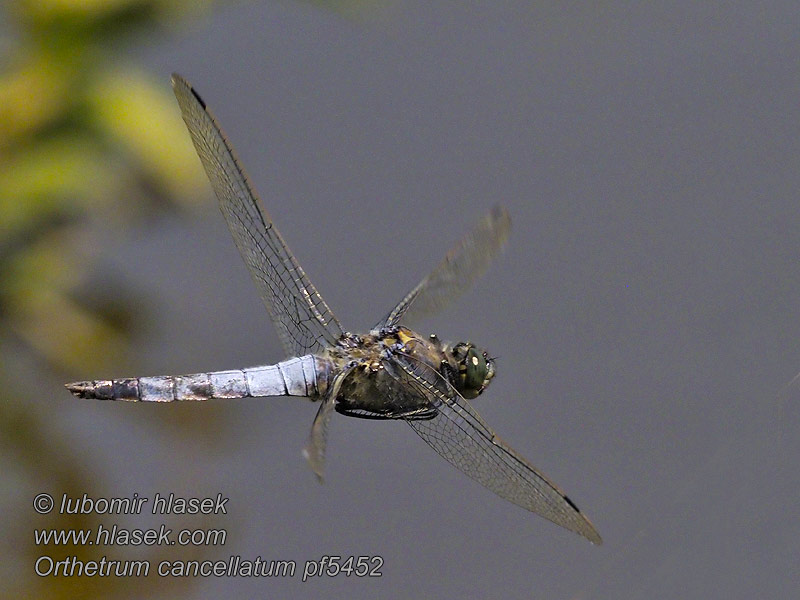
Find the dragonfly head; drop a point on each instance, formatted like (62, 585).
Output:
(475, 369)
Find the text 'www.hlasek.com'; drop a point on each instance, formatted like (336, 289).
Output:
(114, 536)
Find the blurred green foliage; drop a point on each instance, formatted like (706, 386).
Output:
(84, 138)
(90, 146)
(87, 143)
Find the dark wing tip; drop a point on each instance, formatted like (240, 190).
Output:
(590, 533)
(179, 82)
(500, 213)
(587, 529)
(500, 219)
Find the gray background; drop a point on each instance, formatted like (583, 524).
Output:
(646, 311)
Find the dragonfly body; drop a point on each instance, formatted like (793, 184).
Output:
(300, 376)
(392, 372)
(368, 388)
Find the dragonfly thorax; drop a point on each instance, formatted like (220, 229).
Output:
(468, 368)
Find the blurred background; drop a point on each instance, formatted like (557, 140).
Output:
(646, 312)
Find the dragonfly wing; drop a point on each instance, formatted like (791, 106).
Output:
(462, 438)
(314, 450)
(464, 264)
(304, 321)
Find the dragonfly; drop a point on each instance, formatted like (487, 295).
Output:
(390, 372)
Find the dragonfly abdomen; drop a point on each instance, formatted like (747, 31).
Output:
(301, 376)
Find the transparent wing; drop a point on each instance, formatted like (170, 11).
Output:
(315, 447)
(464, 264)
(462, 438)
(304, 321)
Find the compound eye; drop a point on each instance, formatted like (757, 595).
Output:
(475, 370)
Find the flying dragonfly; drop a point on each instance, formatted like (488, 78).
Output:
(390, 372)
